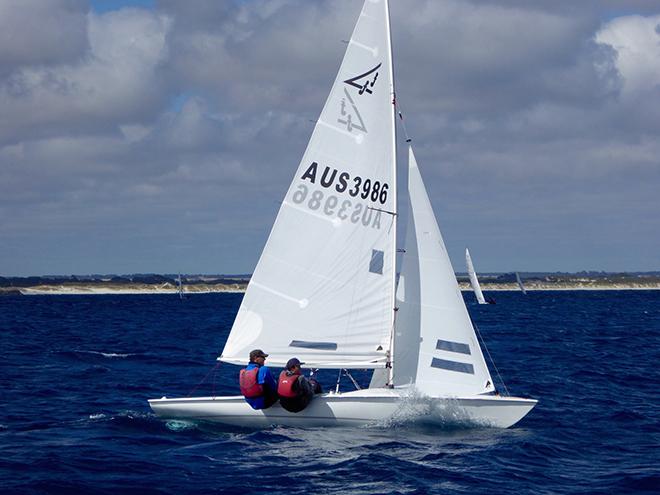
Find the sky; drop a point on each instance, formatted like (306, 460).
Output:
(160, 136)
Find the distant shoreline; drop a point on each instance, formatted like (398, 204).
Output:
(206, 284)
(130, 289)
(80, 289)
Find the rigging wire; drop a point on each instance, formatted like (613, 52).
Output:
(483, 342)
(212, 370)
(215, 373)
(355, 383)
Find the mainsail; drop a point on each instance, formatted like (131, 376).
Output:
(323, 289)
(520, 284)
(435, 346)
(474, 281)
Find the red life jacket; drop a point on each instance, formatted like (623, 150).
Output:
(250, 388)
(285, 385)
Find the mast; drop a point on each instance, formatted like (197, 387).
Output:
(390, 380)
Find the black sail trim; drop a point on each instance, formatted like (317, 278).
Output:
(445, 364)
(447, 345)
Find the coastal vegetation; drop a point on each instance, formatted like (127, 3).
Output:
(155, 283)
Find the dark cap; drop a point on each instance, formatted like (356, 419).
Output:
(293, 362)
(257, 353)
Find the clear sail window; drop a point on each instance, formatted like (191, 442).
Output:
(376, 264)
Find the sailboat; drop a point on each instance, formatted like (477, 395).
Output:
(520, 284)
(179, 287)
(474, 281)
(326, 290)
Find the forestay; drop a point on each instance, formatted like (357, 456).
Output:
(323, 289)
(432, 315)
(474, 281)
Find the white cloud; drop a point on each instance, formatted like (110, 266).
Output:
(117, 81)
(636, 40)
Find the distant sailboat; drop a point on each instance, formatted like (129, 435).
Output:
(179, 285)
(520, 284)
(474, 281)
(325, 287)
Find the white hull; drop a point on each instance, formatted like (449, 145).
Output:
(359, 408)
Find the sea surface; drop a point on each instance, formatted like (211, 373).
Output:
(76, 372)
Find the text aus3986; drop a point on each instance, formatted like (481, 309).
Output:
(330, 204)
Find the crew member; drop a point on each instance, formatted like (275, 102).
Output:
(257, 383)
(294, 389)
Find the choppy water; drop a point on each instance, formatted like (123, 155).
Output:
(76, 372)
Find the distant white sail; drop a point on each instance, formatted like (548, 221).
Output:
(474, 281)
(435, 347)
(520, 284)
(323, 289)
(179, 285)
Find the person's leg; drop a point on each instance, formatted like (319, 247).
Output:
(270, 398)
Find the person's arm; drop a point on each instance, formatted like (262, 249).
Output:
(305, 386)
(266, 378)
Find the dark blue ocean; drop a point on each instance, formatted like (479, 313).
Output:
(76, 371)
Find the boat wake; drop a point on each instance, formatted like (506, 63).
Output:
(419, 410)
(179, 425)
(105, 354)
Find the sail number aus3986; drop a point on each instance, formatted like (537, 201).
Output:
(343, 182)
(330, 205)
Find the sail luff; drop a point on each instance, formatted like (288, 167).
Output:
(474, 281)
